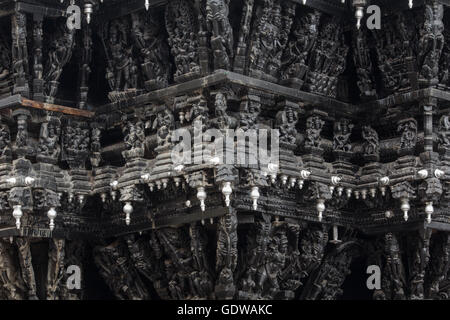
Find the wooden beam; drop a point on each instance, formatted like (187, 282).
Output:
(19, 101)
(332, 106)
(56, 108)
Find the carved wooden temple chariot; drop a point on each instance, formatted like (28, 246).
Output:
(87, 120)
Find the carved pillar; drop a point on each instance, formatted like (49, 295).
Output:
(241, 51)
(203, 44)
(418, 259)
(226, 255)
(115, 266)
(181, 24)
(55, 270)
(11, 282)
(363, 63)
(219, 27)
(23, 245)
(394, 281)
(85, 70)
(428, 128)
(428, 109)
(431, 43)
(439, 265)
(20, 53)
(38, 82)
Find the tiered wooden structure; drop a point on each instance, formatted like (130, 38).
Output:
(85, 139)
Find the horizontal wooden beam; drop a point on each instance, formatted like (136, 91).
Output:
(406, 97)
(19, 101)
(221, 77)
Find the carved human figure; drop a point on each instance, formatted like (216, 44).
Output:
(371, 144)
(183, 39)
(5, 59)
(164, 124)
(342, 132)
(408, 129)
(286, 122)
(444, 132)
(154, 52)
(20, 50)
(222, 34)
(11, 282)
(223, 121)
(314, 125)
(250, 109)
(95, 138)
(49, 139)
(432, 41)
(227, 252)
(5, 141)
(304, 35)
(121, 70)
(22, 132)
(61, 47)
(134, 135)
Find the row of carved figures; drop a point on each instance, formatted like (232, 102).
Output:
(276, 41)
(274, 260)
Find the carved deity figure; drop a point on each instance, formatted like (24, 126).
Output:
(312, 247)
(164, 124)
(286, 122)
(363, 64)
(61, 47)
(328, 59)
(19, 48)
(304, 35)
(226, 254)
(183, 39)
(95, 137)
(11, 281)
(5, 141)
(250, 109)
(22, 133)
(314, 125)
(342, 132)
(274, 262)
(76, 140)
(134, 135)
(444, 132)
(394, 268)
(154, 52)
(371, 144)
(222, 34)
(408, 129)
(393, 48)
(223, 121)
(5, 59)
(431, 41)
(121, 71)
(49, 139)
(266, 42)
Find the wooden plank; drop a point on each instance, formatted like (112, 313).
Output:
(56, 108)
